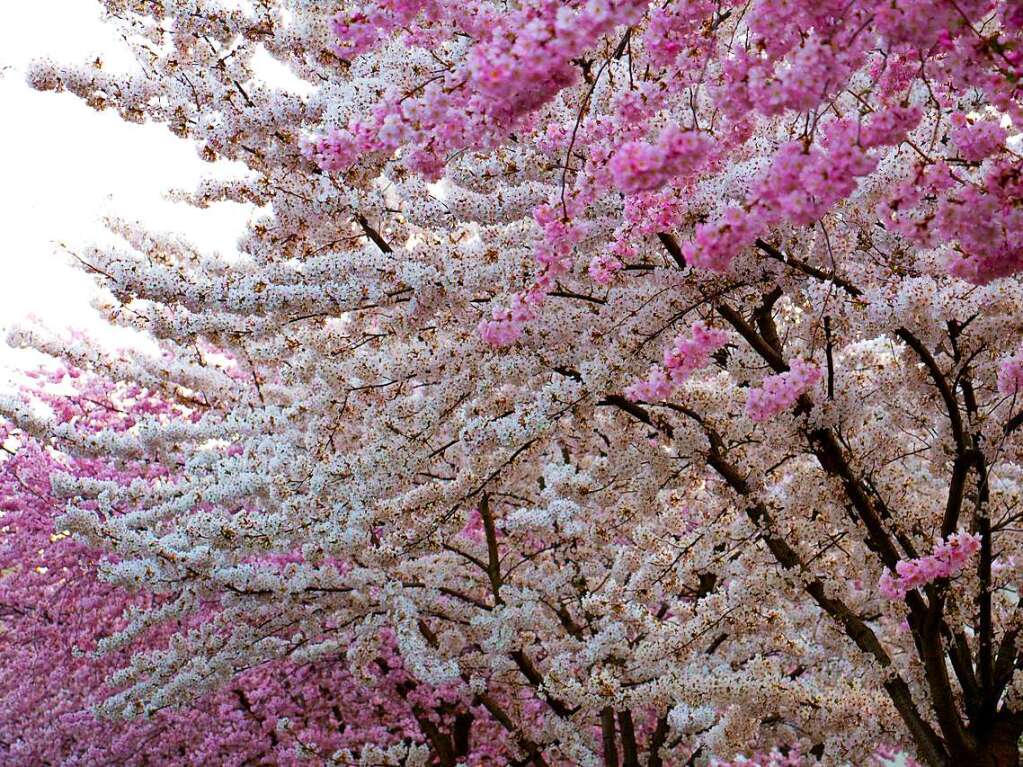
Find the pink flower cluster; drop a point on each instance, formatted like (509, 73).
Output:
(800, 73)
(639, 166)
(986, 261)
(977, 141)
(1010, 375)
(333, 152)
(521, 59)
(888, 756)
(716, 244)
(683, 358)
(779, 392)
(603, 268)
(947, 560)
(523, 66)
(560, 236)
(506, 325)
(361, 28)
(676, 29)
(56, 607)
(554, 253)
(339, 149)
(984, 221)
(653, 212)
(801, 185)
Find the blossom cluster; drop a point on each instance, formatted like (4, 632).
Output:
(947, 560)
(779, 392)
(638, 166)
(59, 604)
(685, 356)
(1010, 375)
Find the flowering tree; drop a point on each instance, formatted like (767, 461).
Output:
(59, 617)
(649, 370)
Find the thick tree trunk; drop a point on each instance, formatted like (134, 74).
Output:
(1003, 753)
(999, 749)
(996, 755)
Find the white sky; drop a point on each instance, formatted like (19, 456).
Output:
(63, 166)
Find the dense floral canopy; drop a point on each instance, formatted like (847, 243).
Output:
(644, 376)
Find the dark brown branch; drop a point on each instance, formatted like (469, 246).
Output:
(926, 739)
(660, 735)
(962, 664)
(630, 754)
(493, 567)
(607, 736)
(948, 397)
(577, 296)
(855, 628)
(460, 734)
(532, 749)
(985, 662)
(373, 234)
(772, 252)
(829, 355)
(636, 411)
(535, 678)
(765, 321)
(754, 339)
(671, 245)
(1013, 423)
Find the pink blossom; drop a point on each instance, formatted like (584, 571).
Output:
(684, 357)
(656, 386)
(638, 166)
(603, 268)
(779, 392)
(947, 560)
(715, 245)
(1010, 375)
(506, 325)
(977, 140)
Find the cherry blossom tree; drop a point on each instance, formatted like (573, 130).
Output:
(649, 371)
(58, 611)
